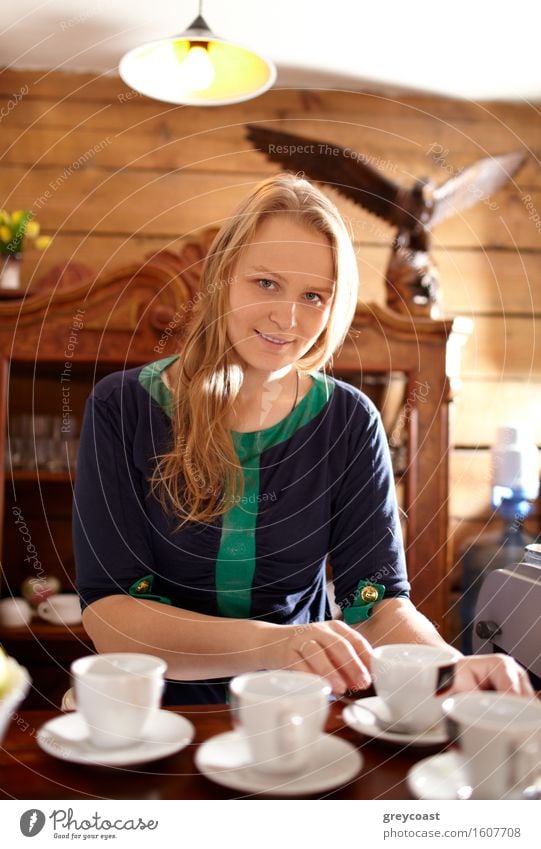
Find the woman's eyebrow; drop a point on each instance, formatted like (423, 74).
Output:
(261, 269)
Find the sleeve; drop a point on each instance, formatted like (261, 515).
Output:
(367, 549)
(111, 537)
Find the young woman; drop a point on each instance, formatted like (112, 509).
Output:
(213, 484)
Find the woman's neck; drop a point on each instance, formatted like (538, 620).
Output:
(261, 403)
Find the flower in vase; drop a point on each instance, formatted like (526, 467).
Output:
(17, 229)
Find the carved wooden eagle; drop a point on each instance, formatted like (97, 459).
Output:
(411, 278)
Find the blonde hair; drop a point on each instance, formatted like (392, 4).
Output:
(200, 478)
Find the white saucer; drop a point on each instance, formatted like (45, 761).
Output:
(362, 716)
(439, 777)
(66, 737)
(225, 759)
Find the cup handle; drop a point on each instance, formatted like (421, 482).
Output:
(290, 738)
(445, 679)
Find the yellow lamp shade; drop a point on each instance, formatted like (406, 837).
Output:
(197, 69)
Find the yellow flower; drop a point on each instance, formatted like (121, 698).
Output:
(32, 229)
(18, 228)
(17, 215)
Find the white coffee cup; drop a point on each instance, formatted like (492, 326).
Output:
(117, 694)
(62, 609)
(406, 677)
(499, 737)
(281, 714)
(15, 612)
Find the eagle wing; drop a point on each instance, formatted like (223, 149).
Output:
(473, 184)
(341, 168)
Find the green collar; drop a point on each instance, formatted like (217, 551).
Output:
(150, 379)
(254, 442)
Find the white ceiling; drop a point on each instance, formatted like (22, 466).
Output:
(474, 49)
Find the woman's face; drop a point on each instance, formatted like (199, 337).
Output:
(280, 295)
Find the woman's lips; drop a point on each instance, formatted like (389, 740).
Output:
(273, 341)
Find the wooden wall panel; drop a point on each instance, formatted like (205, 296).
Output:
(481, 404)
(169, 143)
(504, 347)
(490, 281)
(68, 87)
(90, 197)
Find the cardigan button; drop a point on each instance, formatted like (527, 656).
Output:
(369, 594)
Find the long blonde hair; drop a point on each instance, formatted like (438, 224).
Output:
(200, 478)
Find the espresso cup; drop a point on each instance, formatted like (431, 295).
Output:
(407, 678)
(499, 738)
(117, 695)
(281, 714)
(61, 609)
(14, 612)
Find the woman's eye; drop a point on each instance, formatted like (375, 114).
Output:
(314, 298)
(264, 283)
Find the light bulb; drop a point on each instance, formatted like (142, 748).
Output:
(196, 72)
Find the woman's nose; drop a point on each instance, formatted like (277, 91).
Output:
(284, 314)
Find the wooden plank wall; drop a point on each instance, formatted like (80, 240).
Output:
(114, 176)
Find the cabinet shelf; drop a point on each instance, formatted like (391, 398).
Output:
(44, 631)
(44, 476)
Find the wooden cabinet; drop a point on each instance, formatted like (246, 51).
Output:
(59, 340)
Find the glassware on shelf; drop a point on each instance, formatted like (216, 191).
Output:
(42, 443)
(15, 453)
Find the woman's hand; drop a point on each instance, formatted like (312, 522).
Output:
(491, 672)
(330, 649)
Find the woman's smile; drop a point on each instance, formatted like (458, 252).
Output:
(275, 341)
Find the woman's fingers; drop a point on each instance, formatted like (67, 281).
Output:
(338, 653)
(319, 663)
(467, 677)
(346, 659)
(526, 688)
(362, 648)
(505, 678)
(491, 672)
(509, 677)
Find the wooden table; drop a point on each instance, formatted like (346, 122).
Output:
(26, 772)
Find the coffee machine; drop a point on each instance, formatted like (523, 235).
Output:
(508, 613)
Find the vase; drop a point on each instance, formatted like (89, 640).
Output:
(10, 273)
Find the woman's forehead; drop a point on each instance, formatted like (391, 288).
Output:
(282, 246)
(285, 228)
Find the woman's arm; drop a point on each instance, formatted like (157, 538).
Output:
(396, 620)
(193, 645)
(196, 647)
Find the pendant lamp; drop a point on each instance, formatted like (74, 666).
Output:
(197, 68)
